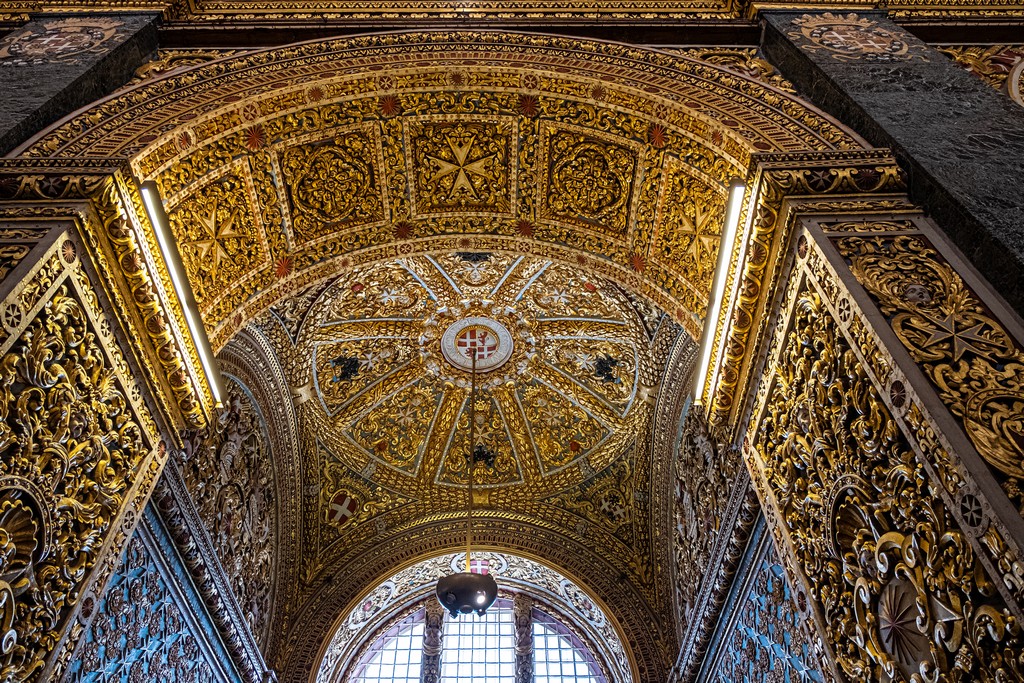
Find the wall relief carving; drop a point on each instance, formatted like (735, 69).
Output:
(706, 474)
(971, 359)
(899, 592)
(765, 640)
(229, 475)
(144, 627)
(70, 447)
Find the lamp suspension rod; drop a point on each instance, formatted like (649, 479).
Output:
(472, 458)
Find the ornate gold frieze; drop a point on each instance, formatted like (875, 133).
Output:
(841, 176)
(745, 60)
(410, 13)
(531, 110)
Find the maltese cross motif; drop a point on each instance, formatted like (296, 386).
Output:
(211, 249)
(463, 168)
(963, 340)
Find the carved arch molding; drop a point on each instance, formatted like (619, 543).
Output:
(286, 167)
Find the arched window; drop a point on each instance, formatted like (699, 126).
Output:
(478, 649)
(396, 655)
(541, 622)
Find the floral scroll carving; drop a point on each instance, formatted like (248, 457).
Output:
(970, 358)
(139, 632)
(766, 642)
(69, 448)
(705, 477)
(900, 592)
(227, 471)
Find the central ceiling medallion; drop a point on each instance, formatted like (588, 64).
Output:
(491, 341)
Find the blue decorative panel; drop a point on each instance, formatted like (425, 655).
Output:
(760, 636)
(149, 625)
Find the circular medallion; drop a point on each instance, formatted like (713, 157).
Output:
(488, 338)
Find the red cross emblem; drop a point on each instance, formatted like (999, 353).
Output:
(341, 509)
(479, 566)
(480, 338)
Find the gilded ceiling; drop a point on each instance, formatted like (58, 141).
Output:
(382, 356)
(570, 367)
(280, 167)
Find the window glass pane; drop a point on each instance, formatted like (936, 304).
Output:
(479, 649)
(396, 656)
(559, 656)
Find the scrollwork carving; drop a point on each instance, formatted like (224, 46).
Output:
(706, 473)
(901, 593)
(974, 363)
(69, 449)
(228, 473)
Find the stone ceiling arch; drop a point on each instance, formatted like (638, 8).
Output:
(284, 163)
(285, 167)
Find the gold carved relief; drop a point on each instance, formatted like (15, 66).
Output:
(71, 447)
(691, 216)
(900, 592)
(333, 184)
(973, 362)
(590, 180)
(462, 166)
(218, 236)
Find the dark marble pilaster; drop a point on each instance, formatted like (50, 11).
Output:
(56, 64)
(961, 142)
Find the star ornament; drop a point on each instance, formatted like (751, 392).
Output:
(963, 340)
(211, 249)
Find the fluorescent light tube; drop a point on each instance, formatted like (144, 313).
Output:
(162, 228)
(725, 249)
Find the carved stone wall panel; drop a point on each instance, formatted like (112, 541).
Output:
(706, 474)
(147, 624)
(80, 455)
(762, 636)
(229, 474)
(972, 360)
(896, 589)
(714, 512)
(250, 358)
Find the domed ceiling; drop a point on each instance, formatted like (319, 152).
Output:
(380, 358)
(570, 369)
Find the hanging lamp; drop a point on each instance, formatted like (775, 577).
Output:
(468, 591)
